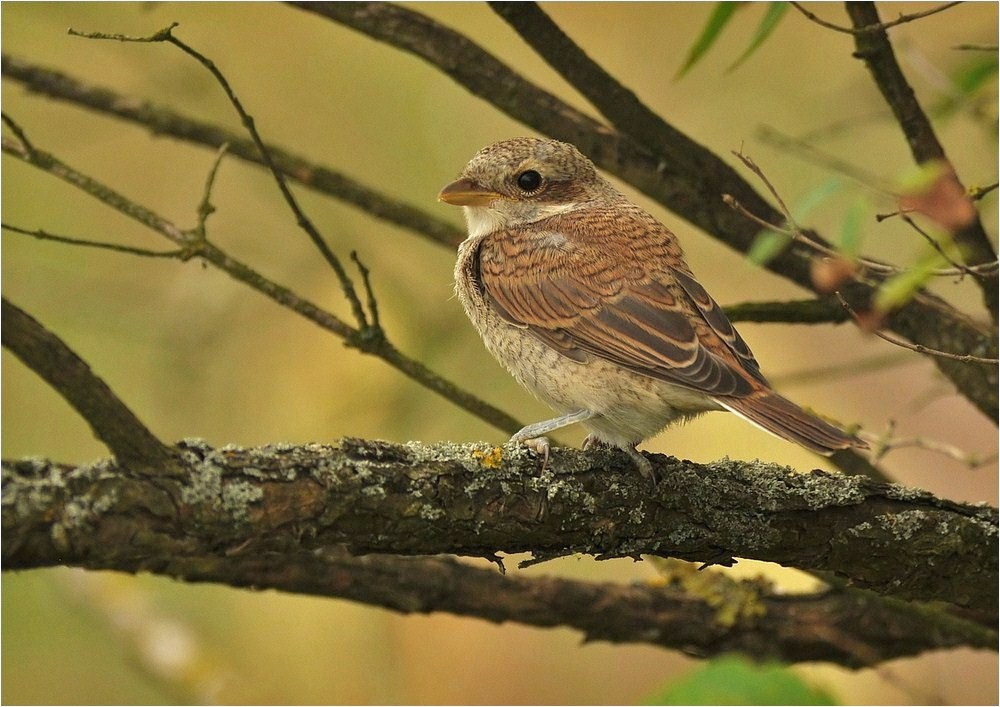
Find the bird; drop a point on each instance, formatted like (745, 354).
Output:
(588, 302)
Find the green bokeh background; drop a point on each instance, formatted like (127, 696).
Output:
(198, 355)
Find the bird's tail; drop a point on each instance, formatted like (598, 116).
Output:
(783, 418)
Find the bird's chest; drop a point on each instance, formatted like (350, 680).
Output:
(535, 365)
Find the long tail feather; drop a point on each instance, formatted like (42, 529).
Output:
(785, 419)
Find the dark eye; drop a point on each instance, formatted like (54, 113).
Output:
(529, 180)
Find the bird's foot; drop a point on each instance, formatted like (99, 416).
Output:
(645, 466)
(540, 446)
(533, 436)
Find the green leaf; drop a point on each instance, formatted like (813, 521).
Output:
(775, 12)
(815, 197)
(852, 228)
(719, 18)
(900, 288)
(736, 681)
(767, 245)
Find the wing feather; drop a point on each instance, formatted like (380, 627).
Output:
(644, 314)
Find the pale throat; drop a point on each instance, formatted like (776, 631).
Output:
(482, 220)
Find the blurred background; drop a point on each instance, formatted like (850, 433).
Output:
(196, 354)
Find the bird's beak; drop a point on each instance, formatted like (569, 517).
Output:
(465, 192)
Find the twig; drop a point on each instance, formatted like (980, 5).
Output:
(163, 121)
(303, 221)
(797, 234)
(190, 241)
(962, 269)
(883, 444)
(977, 193)
(876, 26)
(919, 348)
(205, 207)
(976, 47)
(111, 420)
(46, 236)
(16, 129)
(376, 326)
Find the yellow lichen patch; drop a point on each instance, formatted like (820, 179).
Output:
(733, 600)
(490, 459)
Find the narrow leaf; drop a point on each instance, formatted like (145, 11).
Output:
(852, 228)
(767, 245)
(720, 16)
(774, 13)
(899, 289)
(815, 197)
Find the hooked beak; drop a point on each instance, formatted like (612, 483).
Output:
(465, 192)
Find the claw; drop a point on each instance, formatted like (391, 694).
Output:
(539, 445)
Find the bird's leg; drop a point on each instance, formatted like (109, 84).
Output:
(533, 436)
(592, 441)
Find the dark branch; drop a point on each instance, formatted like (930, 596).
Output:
(472, 500)
(691, 184)
(848, 627)
(876, 51)
(825, 310)
(112, 422)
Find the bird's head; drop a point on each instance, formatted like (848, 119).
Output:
(523, 180)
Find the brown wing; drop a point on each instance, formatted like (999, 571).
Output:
(586, 290)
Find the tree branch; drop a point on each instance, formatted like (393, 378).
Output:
(690, 183)
(876, 51)
(475, 500)
(853, 628)
(112, 422)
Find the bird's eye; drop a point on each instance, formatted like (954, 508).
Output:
(529, 180)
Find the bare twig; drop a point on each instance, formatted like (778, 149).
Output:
(18, 132)
(303, 221)
(976, 47)
(205, 207)
(46, 236)
(876, 26)
(883, 444)
(964, 358)
(962, 269)
(163, 121)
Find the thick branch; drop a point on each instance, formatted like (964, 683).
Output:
(849, 627)
(410, 499)
(876, 51)
(70, 376)
(690, 180)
